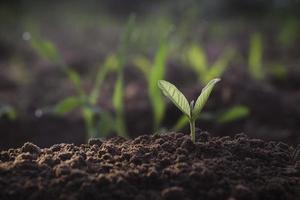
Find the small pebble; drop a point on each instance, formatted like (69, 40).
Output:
(31, 148)
(95, 141)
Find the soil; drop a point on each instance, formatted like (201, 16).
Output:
(161, 166)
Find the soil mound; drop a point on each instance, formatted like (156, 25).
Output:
(167, 166)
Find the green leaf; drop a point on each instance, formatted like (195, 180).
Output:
(119, 107)
(158, 107)
(255, 56)
(8, 111)
(109, 65)
(197, 59)
(143, 64)
(234, 113)
(74, 77)
(157, 72)
(118, 94)
(202, 99)
(175, 96)
(67, 105)
(181, 123)
(105, 124)
(218, 68)
(46, 49)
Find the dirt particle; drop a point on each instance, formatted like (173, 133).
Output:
(282, 146)
(61, 170)
(172, 193)
(31, 148)
(102, 180)
(65, 156)
(242, 192)
(95, 141)
(203, 136)
(240, 135)
(55, 148)
(188, 144)
(4, 156)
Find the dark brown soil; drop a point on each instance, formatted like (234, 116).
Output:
(165, 166)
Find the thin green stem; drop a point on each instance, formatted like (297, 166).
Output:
(192, 128)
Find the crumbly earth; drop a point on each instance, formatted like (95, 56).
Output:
(167, 166)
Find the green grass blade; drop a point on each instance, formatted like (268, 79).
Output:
(46, 49)
(202, 99)
(75, 79)
(218, 68)
(234, 113)
(8, 111)
(49, 51)
(157, 73)
(118, 105)
(196, 59)
(175, 96)
(119, 86)
(158, 107)
(181, 123)
(159, 66)
(67, 105)
(110, 64)
(143, 64)
(105, 124)
(255, 56)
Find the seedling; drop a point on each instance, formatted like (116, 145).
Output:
(84, 100)
(232, 114)
(197, 59)
(8, 111)
(153, 73)
(255, 59)
(192, 111)
(118, 95)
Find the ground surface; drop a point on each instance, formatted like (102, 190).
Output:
(165, 166)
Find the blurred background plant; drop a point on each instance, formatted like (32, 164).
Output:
(8, 111)
(101, 73)
(98, 122)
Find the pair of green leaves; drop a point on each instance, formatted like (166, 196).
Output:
(192, 111)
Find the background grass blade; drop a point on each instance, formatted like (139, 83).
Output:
(196, 59)
(234, 113)
(67, 105)
(157, 73)
(255, 56)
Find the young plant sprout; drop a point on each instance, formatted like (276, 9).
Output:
(192, 111)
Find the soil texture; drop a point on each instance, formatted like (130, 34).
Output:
(165, 166)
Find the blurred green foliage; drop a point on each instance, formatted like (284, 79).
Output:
(153, 73)
(118, 95)
(255, 59)
(233, 114)
(196, 58)
(98, 122)
(8, 111)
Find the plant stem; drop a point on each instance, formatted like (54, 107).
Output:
(192, 128)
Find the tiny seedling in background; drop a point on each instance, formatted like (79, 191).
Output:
(255, 59)
(153, 73)
(192, 111)
(97, 121)
(118, 94)
(232, 114)
(82, 100)
(197, 60)
(7, 111)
